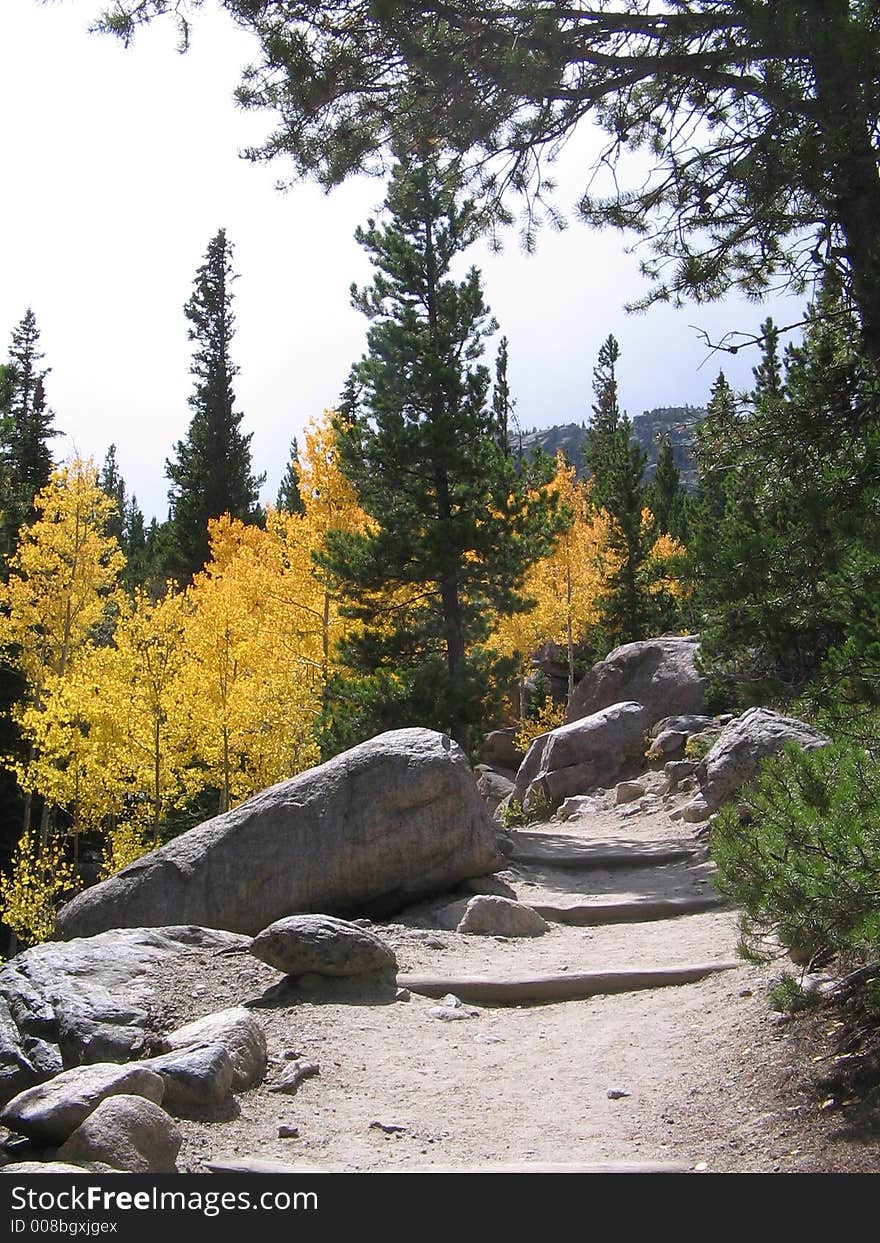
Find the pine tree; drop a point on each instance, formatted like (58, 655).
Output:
(289, 498)
(666, 497)
(212, 473)
(452, 528)
(502, 403)
(28, 428)
(617, 466)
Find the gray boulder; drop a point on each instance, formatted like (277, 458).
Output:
(582, 755)
(500, 917)
(661, 674)
(52, 1111)
(63, 1004)
(499, 749)
(321, 945)
(375, 828)
(197, 1079)
(735, 757)
(240, 1035)
(129, 1133)
(493, 786)
(689, 723)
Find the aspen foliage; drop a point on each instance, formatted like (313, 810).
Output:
(30, 892)
(566, 583)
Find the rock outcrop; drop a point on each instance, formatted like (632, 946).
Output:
(582, 755)
(661, 674)
(86, 1000)
(744, 742)
(373, 829)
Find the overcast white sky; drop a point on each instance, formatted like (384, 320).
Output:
(120, 166)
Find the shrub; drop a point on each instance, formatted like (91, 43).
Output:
(805, 865)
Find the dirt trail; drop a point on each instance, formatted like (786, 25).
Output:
(688, 1075)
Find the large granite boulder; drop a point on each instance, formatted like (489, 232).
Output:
(661, 674)
(371, 830)
(744, 742)
(582, 755)
(83, 1001)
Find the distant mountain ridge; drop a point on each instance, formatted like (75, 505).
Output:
(675, 423)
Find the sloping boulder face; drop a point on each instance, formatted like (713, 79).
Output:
(661, 674)
(84, 1001)
(371, 830)
(582, 755)
(748, 739)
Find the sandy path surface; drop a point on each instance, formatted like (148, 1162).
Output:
(688, 1074)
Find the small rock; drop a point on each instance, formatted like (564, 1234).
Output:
(490, 916)
(695, 811)
(451, 1009)
(294, 1075)
(389, 1128)
(628, 792)
(288, 1132)
(481, 1039)
(678, 814)
(403, 994)
(616, 1094)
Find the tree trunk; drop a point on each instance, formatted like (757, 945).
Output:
(839, 63)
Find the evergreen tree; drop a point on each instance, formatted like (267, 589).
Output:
(617, 466)
(110, 480)
(289, 498)
(665, 496)
(212, 473)
(502, 403)
(787, 539)
(452, 529)
(27, 428)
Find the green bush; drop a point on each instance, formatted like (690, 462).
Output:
(804, 861)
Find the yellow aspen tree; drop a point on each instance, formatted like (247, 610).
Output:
(63, 583)
(566, 583)
(251, 710)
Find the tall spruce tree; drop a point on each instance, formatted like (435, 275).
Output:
(617, 465)
(289, 498)
(212, 473)
(453, 528)
(27, 428)
(665, 496)
(787, 536)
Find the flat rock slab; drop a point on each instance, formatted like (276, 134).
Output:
(630, 911)
(569, 987)
(322, 945)
(266, 1165)
(561, 851)
(52, 1111)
